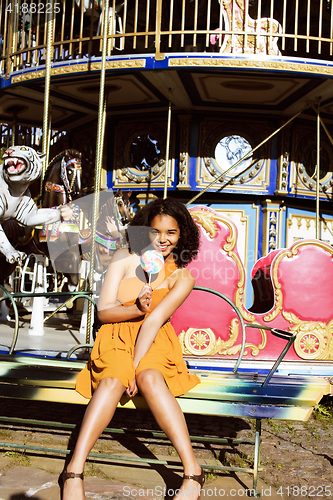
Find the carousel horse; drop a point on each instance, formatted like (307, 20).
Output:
(111, 226)
(59, 241)
(67, 245)
(262, 35)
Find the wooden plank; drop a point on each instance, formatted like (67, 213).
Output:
(219, 408)
(300, 396)
(240, 395)
(302, 391)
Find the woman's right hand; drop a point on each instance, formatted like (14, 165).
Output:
(144, 299)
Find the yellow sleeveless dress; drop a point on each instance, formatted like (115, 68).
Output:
(113, 350)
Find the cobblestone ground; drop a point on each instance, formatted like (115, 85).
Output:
(296, 458)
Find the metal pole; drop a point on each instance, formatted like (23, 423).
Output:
(158, 54)
(327, 132)
(317, 173)
(242, 159)
(167, 152)
(99, 157)
(46, 115)
(14, 130)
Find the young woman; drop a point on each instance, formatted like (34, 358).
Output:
(137, 348)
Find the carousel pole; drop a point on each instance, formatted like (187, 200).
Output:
(46, 114)
(99, 158)
(37, 313)
(167, 153)
(317, 173)
(327, 132)
(221, 177)
(14, 130)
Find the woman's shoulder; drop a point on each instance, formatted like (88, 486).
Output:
(182, 274)
(121, 254)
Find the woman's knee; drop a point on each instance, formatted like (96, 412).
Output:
(109, 384)
(148, 380)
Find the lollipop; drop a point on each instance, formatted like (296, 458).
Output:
(152, 262)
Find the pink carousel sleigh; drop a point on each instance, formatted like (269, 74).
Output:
(292, 292)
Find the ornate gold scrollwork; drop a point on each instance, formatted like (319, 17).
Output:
(251, 63)
(203, 342)
(275, 272)
(207, 219)
(79, 68)
(314, 338)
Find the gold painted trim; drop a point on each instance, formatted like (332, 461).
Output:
(283, 161)
(324, 226)
(126, 176)
(209, 172)
(184, 156)
(272, 226)
(121, 179)
(257, 219)
(274, 272)
(206, 219)
(314, 339)
(203, 342)
(259, 184)
(255, 64)
(80, 68)
(244, 219)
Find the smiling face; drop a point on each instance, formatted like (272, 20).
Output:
(164, 234)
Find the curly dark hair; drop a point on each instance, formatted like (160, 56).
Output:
(188, 244)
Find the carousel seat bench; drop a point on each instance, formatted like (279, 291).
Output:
(219, 394)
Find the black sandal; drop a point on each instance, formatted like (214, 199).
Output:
(68, 475)
(198, 478)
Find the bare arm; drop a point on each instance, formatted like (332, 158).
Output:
(109, 310)
(162, 313)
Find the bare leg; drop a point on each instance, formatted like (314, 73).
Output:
(170, 418)
(97, 416)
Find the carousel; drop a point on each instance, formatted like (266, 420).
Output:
(226, 105)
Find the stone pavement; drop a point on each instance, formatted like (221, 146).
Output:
(20, 483)
(297, 458)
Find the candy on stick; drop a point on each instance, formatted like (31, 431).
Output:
(152, 262)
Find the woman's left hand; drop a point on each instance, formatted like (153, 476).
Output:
(132, 389)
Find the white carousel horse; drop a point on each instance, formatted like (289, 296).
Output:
(262, 35)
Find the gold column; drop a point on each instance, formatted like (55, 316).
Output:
(158, 55)
(99, 158)
(46, 114)
(317, 174)
(184, 154)
(167, 152)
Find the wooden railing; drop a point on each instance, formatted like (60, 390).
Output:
(299, 28)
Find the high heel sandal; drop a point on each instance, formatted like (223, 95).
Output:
(200, 478)
(68, 475)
